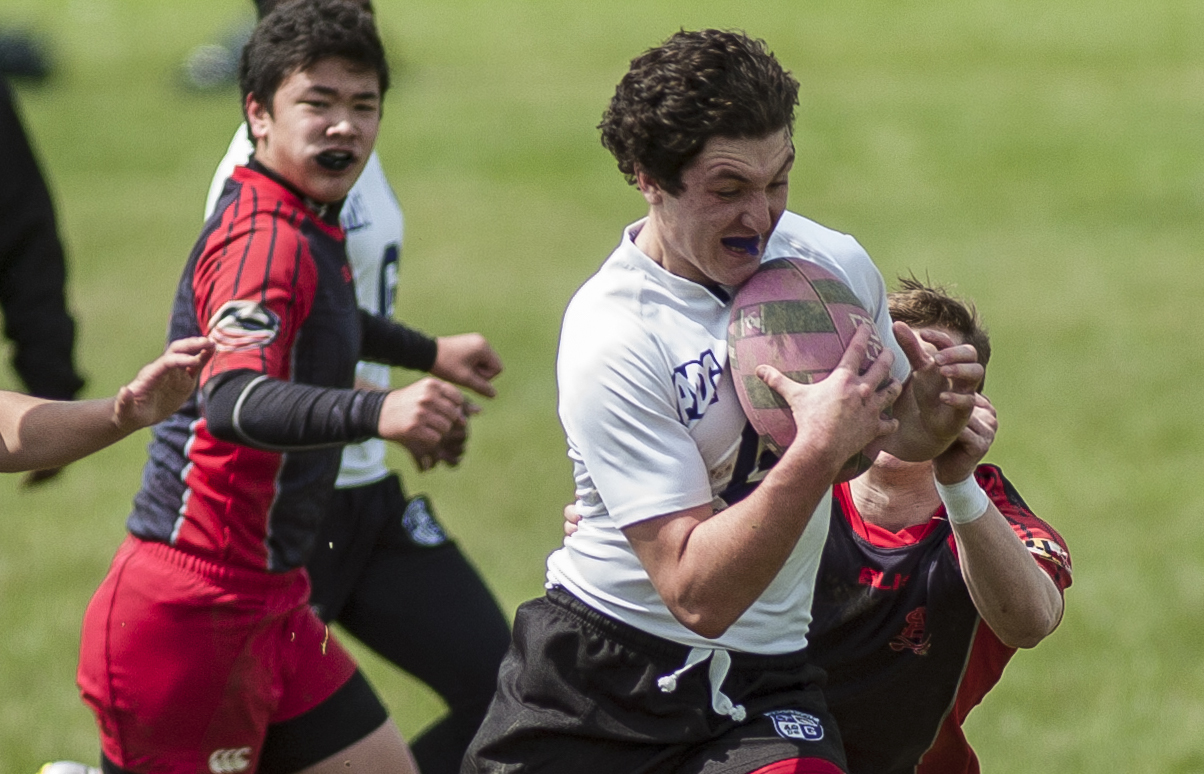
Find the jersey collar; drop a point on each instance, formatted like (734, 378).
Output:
(880, 536)
(327, 212)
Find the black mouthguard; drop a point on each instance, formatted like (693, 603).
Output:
(336, 161)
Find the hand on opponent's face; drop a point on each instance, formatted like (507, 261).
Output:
(958, 462)
(938, 396)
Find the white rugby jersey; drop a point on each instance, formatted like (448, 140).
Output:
(654, 426)
(372, 219)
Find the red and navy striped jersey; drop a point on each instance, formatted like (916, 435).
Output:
(906, 652)
(268, 281)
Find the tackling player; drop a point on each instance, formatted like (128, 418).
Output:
(672, 635)
(199, 650)
(932, 576)
(383, 567)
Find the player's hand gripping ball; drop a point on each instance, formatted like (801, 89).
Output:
(799, 318)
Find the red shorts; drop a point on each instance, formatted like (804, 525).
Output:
(185, 661)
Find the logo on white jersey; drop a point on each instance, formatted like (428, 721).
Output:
(230, 761)
(697, 384)
(241, 325)
(792, 724)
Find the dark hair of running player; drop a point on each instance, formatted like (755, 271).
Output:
(297, 34)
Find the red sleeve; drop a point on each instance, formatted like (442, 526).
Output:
(253, 287)
(1042, 540)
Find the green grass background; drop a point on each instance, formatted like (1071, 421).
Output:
(1044, 157)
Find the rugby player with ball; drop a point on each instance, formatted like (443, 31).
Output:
(921, 601)
(672, 634)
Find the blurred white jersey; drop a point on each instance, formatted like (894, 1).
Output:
(372, 219)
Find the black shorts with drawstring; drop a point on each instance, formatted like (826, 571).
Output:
(578, 693)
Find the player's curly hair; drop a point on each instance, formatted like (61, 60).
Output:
(695, 86)
(299, 33)
(932, 306)
(264, 7)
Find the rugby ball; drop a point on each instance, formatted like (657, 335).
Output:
(798, 317)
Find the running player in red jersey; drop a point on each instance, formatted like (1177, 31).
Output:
(37, 433)
(932, 575)
(200, 651)
(384, 568)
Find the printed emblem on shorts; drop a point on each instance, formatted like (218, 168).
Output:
(420, 523)
(242, 325)
(230, 761)
(697, 384)
(792, 724)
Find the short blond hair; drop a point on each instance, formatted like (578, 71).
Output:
(932, 306)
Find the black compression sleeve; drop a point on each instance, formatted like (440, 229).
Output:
(389, 342)
(249, 408)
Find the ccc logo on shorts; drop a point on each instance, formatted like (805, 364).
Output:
(230, 761)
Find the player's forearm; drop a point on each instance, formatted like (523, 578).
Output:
(1013, 594)
(389, 342)
(711, 569)
(250, 409)
(41, 434)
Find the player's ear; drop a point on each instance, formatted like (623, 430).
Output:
(653, 193)
(258, 117)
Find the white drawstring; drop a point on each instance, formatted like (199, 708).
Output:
(668, 683)
(721, 661)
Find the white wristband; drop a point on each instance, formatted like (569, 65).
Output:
(964, 501)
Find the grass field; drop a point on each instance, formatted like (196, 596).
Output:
(1044, 157)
